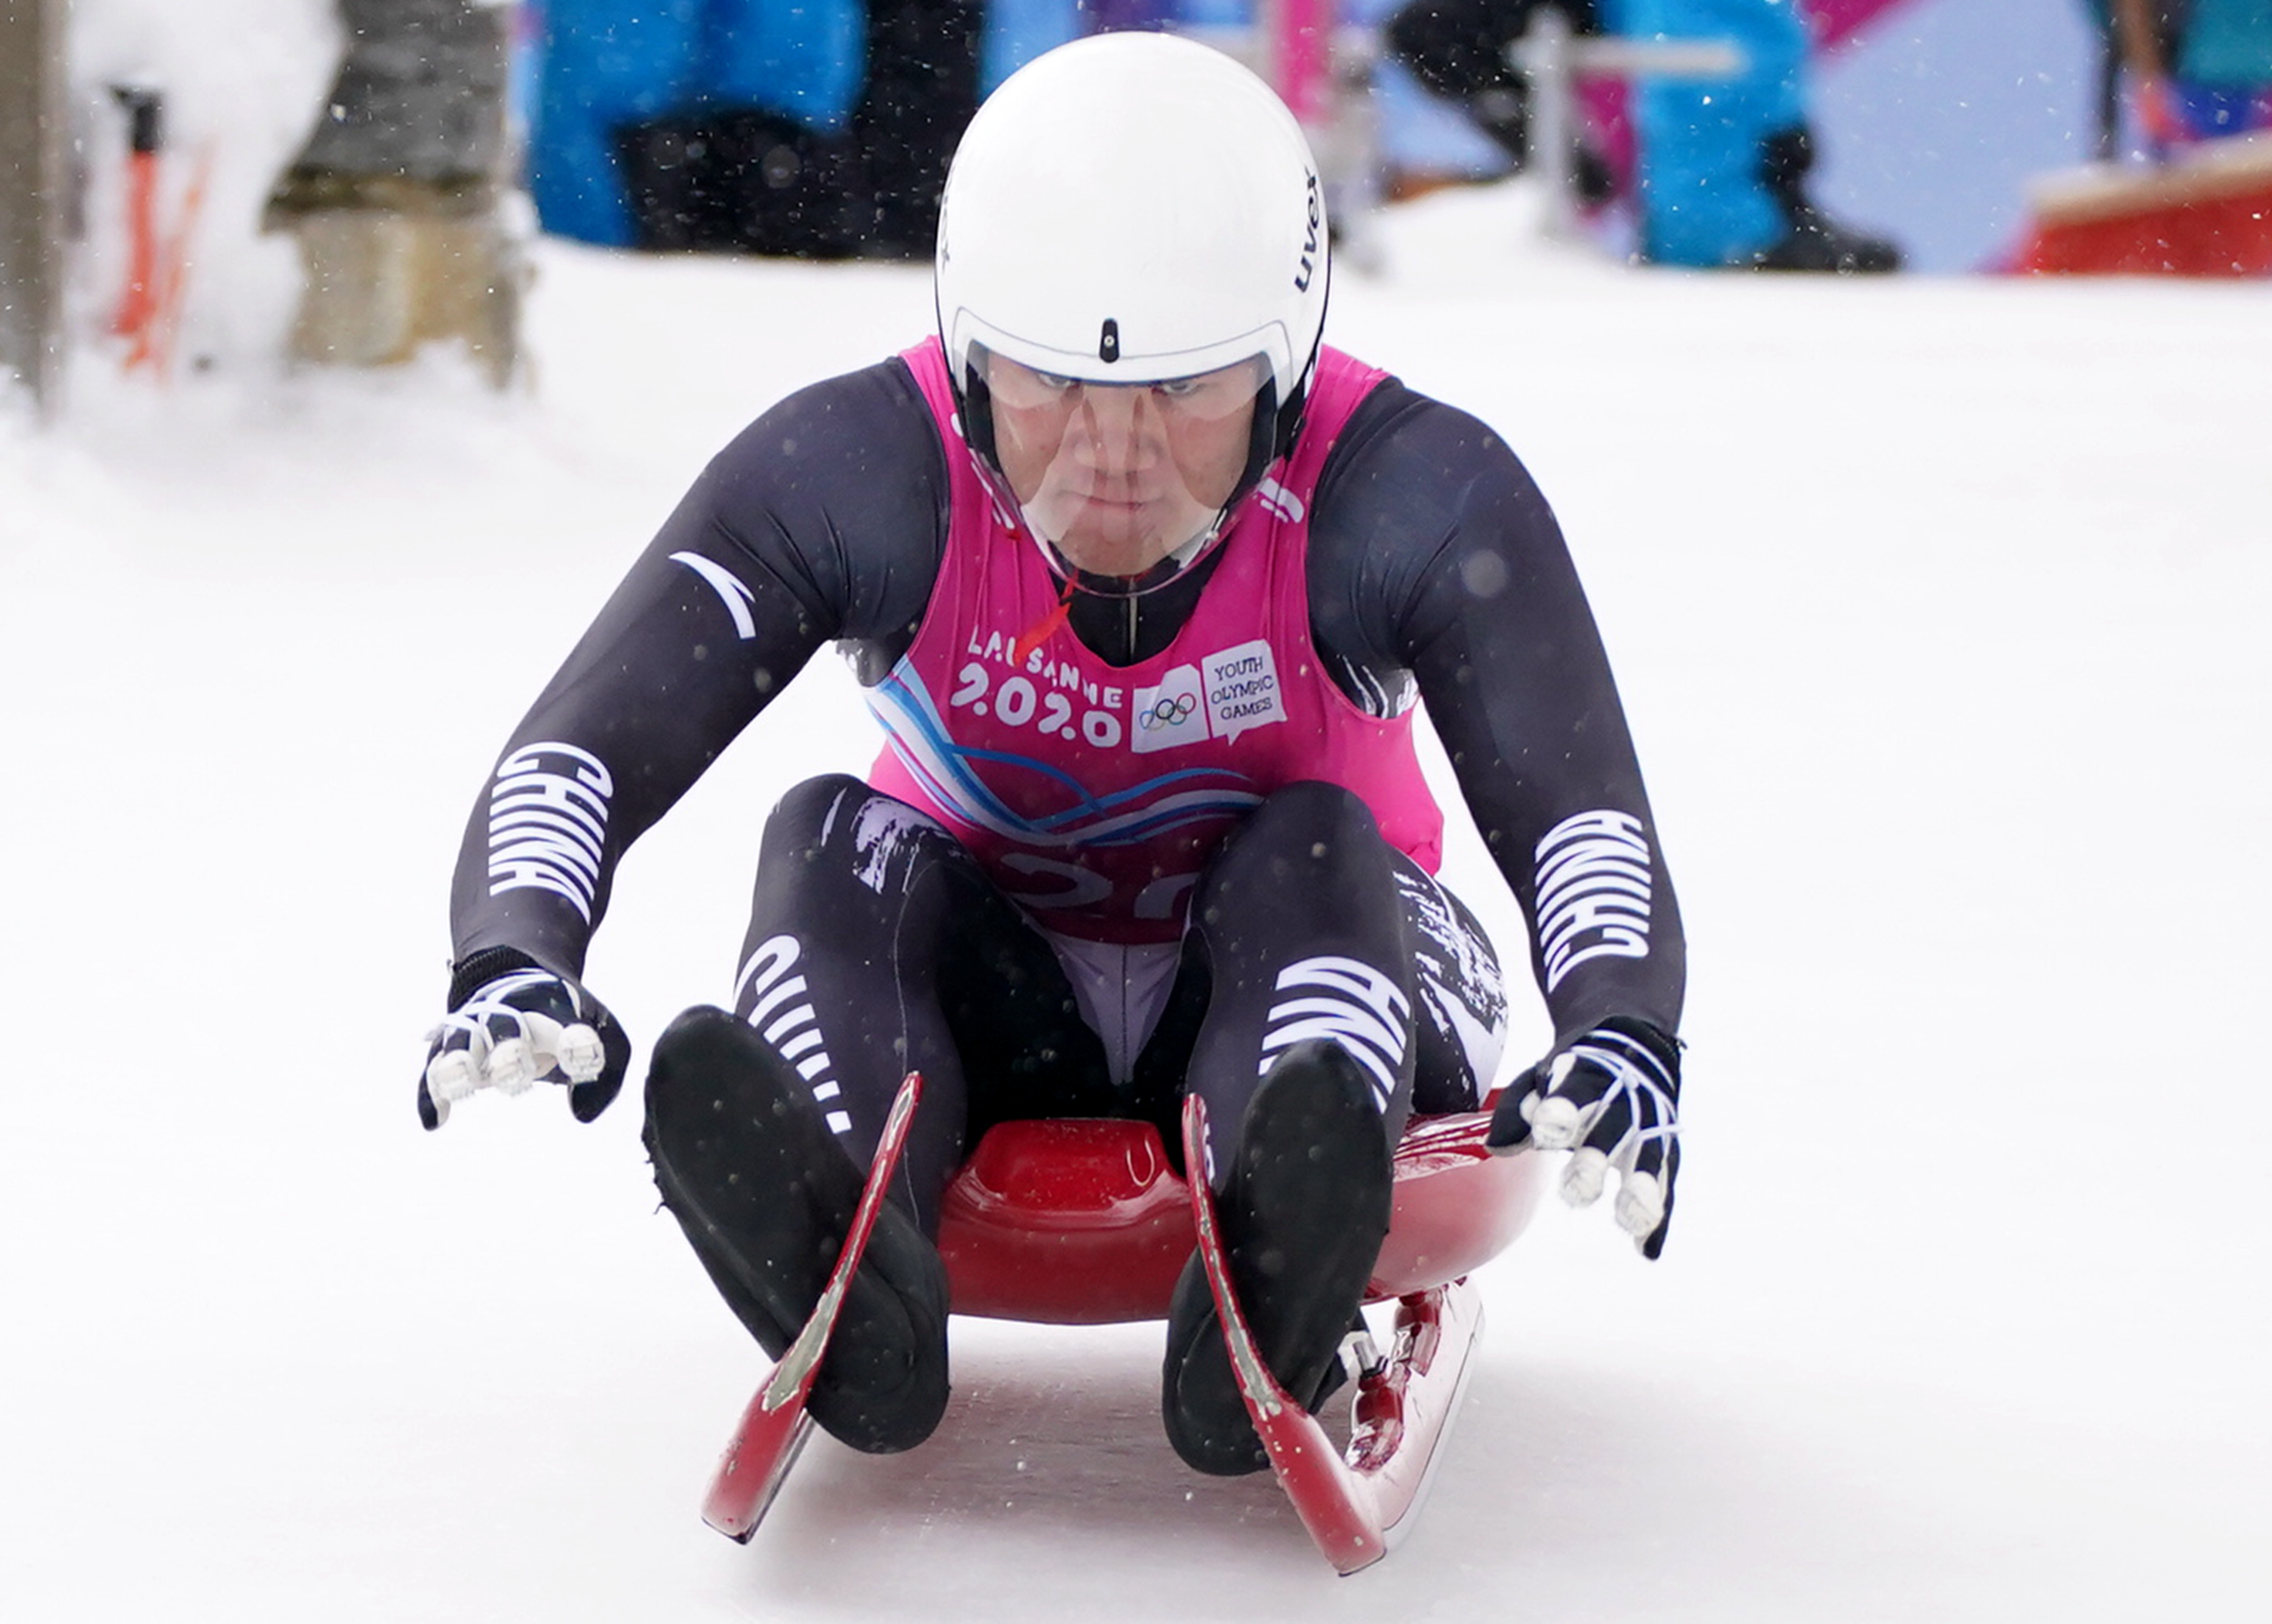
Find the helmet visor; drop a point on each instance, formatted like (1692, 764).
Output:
(1115, 479)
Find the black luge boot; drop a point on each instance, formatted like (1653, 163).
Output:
(1812, 240)
(766, 1193)
(1303, 1213)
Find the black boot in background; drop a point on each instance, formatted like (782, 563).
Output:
(921, 90)
(738, 181)
(1813, 241)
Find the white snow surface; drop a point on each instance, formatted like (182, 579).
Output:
(1937, 608)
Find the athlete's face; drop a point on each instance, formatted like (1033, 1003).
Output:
(1117, 477)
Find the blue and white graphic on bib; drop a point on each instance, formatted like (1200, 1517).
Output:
(548, 822)
(1593, 892)
(950, 772)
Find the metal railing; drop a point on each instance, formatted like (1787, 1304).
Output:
(1550, 57)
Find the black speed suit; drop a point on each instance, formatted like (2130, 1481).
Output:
(1435, 569)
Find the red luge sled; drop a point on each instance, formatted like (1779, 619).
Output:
(1085, 1223)
(2208, 211)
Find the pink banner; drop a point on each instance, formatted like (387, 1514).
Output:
(1301, 56)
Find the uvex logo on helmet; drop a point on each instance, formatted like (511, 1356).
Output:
(1309, 267)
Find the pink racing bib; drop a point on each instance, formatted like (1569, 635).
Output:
(1094, 794)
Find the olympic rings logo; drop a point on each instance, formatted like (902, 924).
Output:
(1166, 713)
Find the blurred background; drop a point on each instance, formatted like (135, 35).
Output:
(1935, 579)
(164, 167)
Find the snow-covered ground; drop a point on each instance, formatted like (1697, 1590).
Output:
(1939, 608)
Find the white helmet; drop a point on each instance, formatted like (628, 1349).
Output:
(1130, 208)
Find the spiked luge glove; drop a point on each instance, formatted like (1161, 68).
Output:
(1612, 1096)
(511, 1023)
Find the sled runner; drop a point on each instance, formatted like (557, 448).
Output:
(775, 1425)
(1356, 1503)
(1084, 1222)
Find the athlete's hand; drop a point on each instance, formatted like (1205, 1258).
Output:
(1612, 1094)
(511, 1023)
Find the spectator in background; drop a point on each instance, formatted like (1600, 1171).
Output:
(820, 129)
(2197, 70)
(1460, 50)
(1722, 164)
(921, 91)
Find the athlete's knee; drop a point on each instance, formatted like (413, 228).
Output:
(1314, 801)
(801, 820)
(1305, 832)
(1308, 875)
(834, 835)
